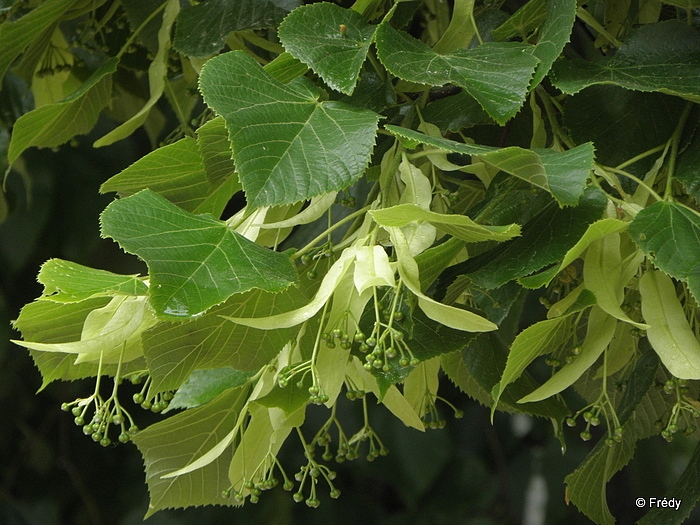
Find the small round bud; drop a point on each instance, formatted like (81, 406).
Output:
(288, 485)
(298, 497)
(570, 421)
(585, 435)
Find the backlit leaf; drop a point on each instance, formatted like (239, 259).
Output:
(195, 261)
(204, 385)
(53, 124)
(180, 439)
(287, 144)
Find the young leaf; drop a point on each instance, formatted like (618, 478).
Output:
(669, 332)
(157, 77)
(669, 234)
(332, 41)
(201, 29)
(288, 145)
(496, 74)
(523, 21)
(601, 328)
(66, 281)
(662, 57)
(459, 226)
(177, 441)
(53, 124)
(195, 261)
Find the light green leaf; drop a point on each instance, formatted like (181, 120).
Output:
(447, 315)
(287, 144)
(541, 338)
(53, 124)
(553, 35)
(18, 34)
(316, 208)
(51, 323)
(204, 385)
(157, 77)
(421, 386)
(294, 317)
(195, 261)
(178, 441)
(175, 350)
(313, 34)
(603, 275)
(669, 234)
(66, 281)
(496, 74)
(402, 409)
(460, 33)
(578, 299)
(459, 226)
(669, 332)
(562, 174)
(110, 334)
(601, 328)
(372, 268)
(663, 57)
(595, 231)
(201, 30)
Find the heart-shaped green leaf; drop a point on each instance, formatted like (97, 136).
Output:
(496, 74)
(329, 39)
(195, 261)
(288, 145)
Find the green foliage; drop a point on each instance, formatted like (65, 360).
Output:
(356, 199)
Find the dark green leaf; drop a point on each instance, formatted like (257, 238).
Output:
(287, 144)
(544, 241)
(662, 57)
(685, 490)
(496, 74)
(456, 112)
(586, 485)
(563, 174)
(688, 169)
(195, 261)
(204, 385)
(622, 123)
(330, 40)
(553, 35)
(201, 30)
(175, 350)
(669, 234)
